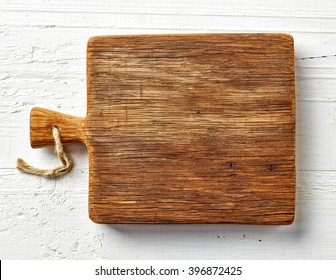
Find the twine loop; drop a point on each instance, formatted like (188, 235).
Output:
(54, 172)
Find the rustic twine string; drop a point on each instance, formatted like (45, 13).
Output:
(54, 172)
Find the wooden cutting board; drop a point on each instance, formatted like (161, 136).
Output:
(195, 128)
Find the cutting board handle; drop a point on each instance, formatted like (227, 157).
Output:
(41, 120)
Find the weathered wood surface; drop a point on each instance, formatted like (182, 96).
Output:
(43, 58)
(187, 128)
(41, 122)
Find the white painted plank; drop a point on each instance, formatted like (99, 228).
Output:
(260, 8)
(49, 219)
(169, 23)
(42, 63)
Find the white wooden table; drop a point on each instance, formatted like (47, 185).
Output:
(42, 63)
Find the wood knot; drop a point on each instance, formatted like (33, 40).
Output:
(231, 164)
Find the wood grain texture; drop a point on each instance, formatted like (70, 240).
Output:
(191, 128)
(41, 121)
(196, 128)
(43, 58)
